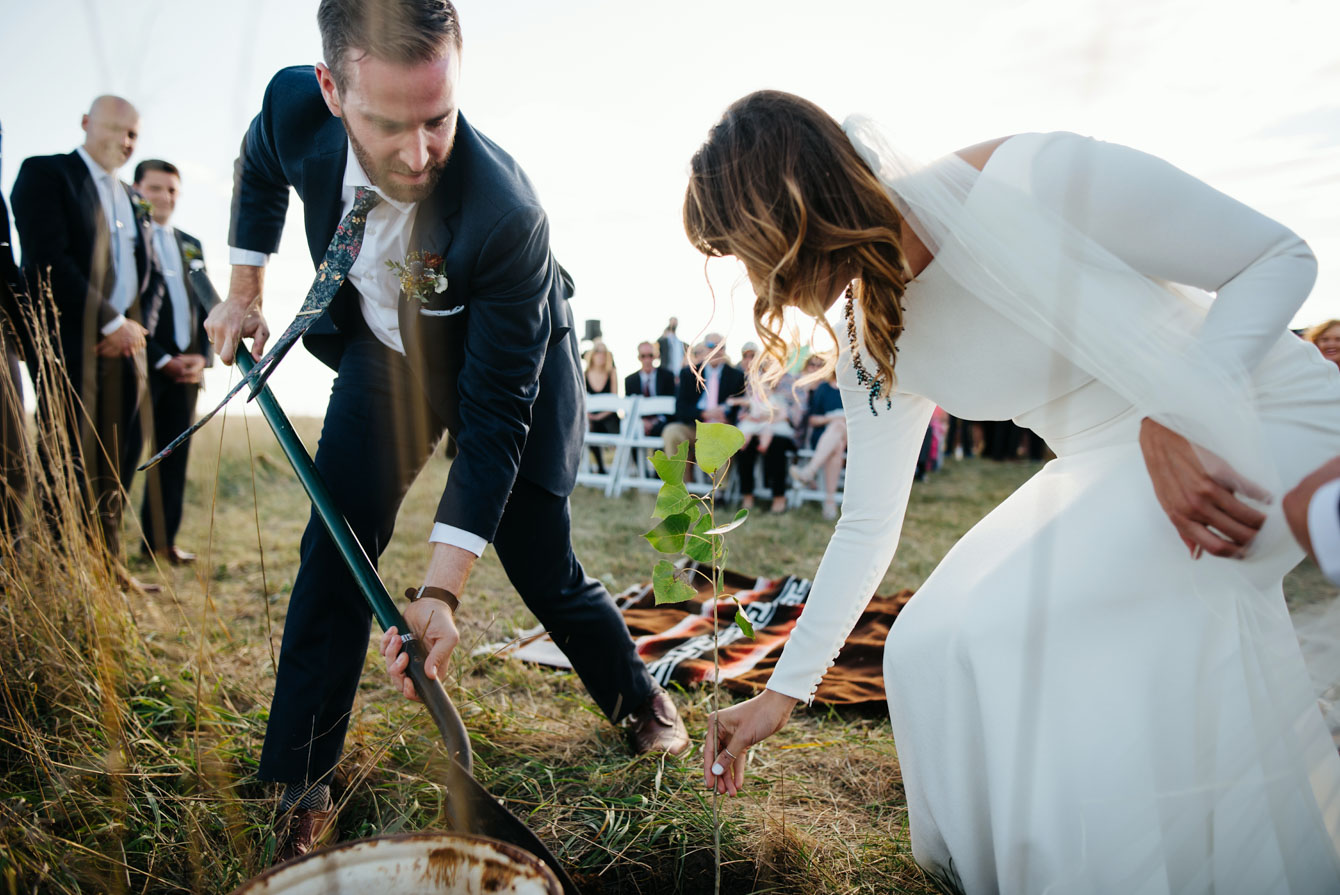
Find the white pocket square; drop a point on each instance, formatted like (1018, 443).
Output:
(448, 312)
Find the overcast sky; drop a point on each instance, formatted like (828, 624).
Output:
(603, 103)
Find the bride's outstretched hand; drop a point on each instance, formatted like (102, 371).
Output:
(740, 727)
(1199, 495)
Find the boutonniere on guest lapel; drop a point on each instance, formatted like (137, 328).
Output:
(421, 275)
(194, 260)
(143, 210)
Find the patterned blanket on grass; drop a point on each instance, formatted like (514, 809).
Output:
(675, 640)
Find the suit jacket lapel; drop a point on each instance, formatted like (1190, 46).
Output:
(323, 182)
(432, 232)
(100, 237)
(144, 229)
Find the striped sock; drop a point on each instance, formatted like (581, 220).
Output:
(313, 797)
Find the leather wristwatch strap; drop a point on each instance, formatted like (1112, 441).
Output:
(437, 593)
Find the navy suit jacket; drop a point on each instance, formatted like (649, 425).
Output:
(663, 382)
(496, 353)
(11, 281)
(62, 227)
(732, 385)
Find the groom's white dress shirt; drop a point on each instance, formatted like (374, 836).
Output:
(169, 259)
(1323, 528)
(386, 237)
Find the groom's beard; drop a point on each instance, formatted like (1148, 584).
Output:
(380, 175)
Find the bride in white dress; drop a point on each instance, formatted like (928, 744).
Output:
(1098, 689)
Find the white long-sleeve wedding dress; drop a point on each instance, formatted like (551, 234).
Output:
(1078, 705)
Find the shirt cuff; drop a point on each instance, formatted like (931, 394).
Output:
(113, 325)
(247, 257)
(1323, 528)
(163, 362)
(457, 537)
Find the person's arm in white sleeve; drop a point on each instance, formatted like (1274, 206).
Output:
(881, 461)
(1312, 510)
(1169, 225)
(457, 537)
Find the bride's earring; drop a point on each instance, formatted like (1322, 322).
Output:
(862, 374)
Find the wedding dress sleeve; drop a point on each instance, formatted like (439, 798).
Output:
(881, 460)
(1168, 225)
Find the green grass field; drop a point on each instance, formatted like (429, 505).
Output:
(130, 730)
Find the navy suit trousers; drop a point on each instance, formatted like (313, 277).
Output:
(378, 433)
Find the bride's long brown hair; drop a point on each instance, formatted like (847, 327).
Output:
(779, 186)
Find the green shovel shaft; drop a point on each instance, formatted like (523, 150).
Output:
(445, 716)
(369, 583)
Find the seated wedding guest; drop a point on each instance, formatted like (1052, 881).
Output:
(673, 353)
(600, 380)
(1312, 510)
(92, 235)
(827, 436)
(650, 381)
(1326, 336)
(747, 356)
(706, 399)
(179, 351)
(769, 422)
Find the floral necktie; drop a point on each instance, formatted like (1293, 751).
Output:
(330, 276)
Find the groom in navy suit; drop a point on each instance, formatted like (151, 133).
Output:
(480, 344)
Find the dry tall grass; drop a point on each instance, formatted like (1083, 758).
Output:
(130, 726)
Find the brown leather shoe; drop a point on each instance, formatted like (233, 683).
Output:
(173, 555)
(657, 727)
(302, 830)
(130, 584)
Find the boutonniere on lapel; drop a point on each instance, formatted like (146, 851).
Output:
(191, 252)
(421, 275)
(143, 210)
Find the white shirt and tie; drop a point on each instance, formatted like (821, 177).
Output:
(122, 227)
(169, 259)
(386, 236)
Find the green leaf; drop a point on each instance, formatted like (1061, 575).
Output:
(667, 587)
(698, 545)
(742, 620)
(715, 444)
(673, 498)
(732, 525)
(671, 469)
(668, 537)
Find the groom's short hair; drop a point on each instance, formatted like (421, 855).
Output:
(404, 31)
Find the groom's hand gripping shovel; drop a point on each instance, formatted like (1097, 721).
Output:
(470, 807)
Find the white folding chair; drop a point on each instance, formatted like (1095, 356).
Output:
(636, 471)
(587, 472)
(798, 494)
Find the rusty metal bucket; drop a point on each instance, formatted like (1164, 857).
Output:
(411, 864)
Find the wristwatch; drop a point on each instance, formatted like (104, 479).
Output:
(437, 593)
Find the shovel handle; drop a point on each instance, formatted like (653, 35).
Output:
(440, 707)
